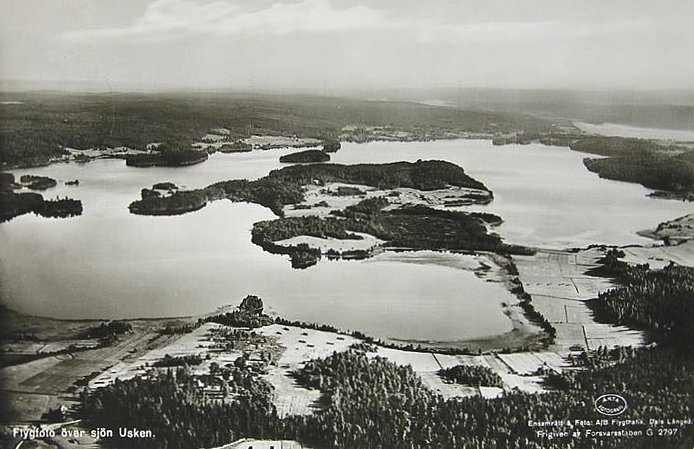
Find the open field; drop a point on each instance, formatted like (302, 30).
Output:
(305, 344)
(559, 287)
(322, 200)
(25, 407)
(660, 256)
(678, 235)
(300, 345)
(366, 243)
(51, 379)
(193, 343)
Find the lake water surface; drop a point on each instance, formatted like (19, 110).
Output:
(545, 194)
(108, 263)
(638, 132)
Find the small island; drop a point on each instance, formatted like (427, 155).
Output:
(307, 156)
(15, 204)
(37, 182)
(167, 158)
(59, 208)
(177, 202)
(237, 147)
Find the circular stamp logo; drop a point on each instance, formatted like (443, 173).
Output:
(610, 404)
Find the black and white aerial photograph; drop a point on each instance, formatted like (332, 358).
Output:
(346, 224)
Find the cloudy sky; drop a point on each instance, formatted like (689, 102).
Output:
(332, 45)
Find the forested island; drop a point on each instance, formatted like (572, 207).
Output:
(37, 182)
(420, 175)
(413, 227)
(167, 158)
(14, 204)
(236, 147)
(177, 202)
(286, 186)
(306, 157)
(416, 227)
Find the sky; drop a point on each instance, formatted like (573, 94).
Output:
(333, 45)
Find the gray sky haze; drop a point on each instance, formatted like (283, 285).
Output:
(332, 45)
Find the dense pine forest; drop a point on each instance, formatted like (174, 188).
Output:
(661, 301)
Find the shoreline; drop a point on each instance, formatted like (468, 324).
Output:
(523, 335)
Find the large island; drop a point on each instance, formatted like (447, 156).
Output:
(382, 213)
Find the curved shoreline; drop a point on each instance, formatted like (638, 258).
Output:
(524, 334)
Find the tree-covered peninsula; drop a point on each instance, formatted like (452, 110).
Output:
(412, 227)
(415, 227)
(286, 186)
(669, 169)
